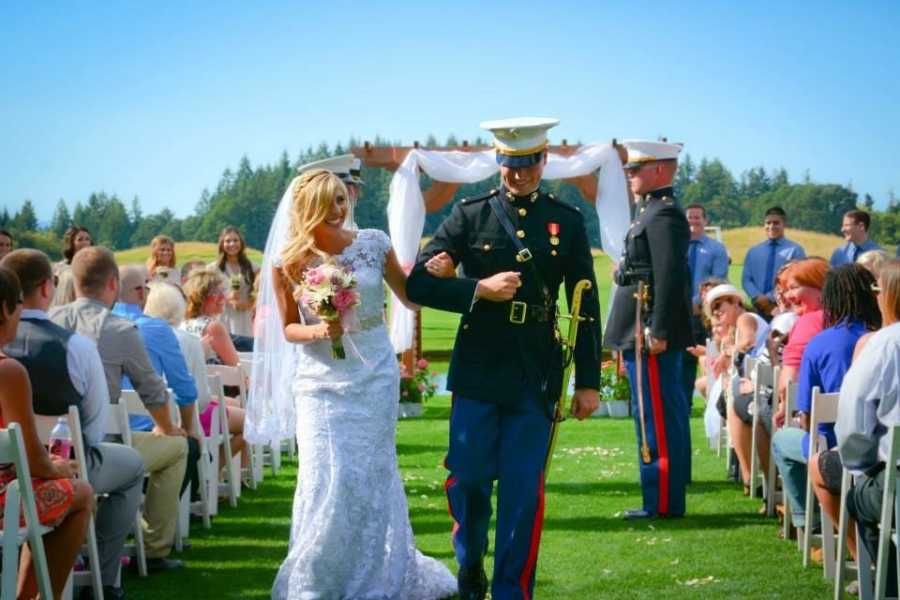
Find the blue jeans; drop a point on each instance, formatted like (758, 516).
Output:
(787, 449)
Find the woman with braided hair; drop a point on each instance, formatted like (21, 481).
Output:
(849, 309)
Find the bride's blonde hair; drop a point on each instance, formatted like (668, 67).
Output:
(313, 193)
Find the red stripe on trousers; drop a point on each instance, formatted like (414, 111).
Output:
(659, 424)
(536, 527)
(449, 482)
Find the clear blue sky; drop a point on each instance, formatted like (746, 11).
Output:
(156, 99)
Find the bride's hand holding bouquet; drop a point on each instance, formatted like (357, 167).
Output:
(328, 291)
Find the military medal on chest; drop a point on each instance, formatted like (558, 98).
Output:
(553, 230)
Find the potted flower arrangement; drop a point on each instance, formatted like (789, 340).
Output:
(615, 391)
(415, 388)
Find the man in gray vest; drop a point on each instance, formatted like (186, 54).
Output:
(65, 370)
(122, 350)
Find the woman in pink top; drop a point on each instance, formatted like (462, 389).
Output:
(803, 291)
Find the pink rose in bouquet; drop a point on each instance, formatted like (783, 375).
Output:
(329, 292)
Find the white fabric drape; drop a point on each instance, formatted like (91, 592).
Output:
(406, 207)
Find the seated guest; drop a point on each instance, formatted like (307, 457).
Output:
(6, 242)
(205, 291)
(66, 369)
(873, 261)
(763, 261)
(120, 345)
(869, 404)
(75, 238)
(740, 333)
(803, 281)
(855, 229)
(701, 330)
(63, 502)
(849, 311)
(167, 303)
(165, 355)
(161, 263)
(783, 320)
(189, 266)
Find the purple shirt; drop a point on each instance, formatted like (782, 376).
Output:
(825, 361)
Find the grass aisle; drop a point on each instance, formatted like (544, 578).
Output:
(723, 549)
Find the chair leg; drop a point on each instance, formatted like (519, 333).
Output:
(139, 551)
(884, 537)
(864, 562)
(8, 577)
(841, 549)
(93, 553)
(808, 522)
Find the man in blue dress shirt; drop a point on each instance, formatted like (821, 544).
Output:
(764, 260)
(706, 257)
(855, 229)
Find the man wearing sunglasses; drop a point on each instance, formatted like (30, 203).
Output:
(656, 249)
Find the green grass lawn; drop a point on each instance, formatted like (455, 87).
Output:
(722, 549)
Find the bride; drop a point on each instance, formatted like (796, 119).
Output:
(350, 530)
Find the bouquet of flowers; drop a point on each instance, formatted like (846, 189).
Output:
(418, 386)
(328, 291)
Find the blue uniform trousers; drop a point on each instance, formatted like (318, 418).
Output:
(509, 444)
(664, 478)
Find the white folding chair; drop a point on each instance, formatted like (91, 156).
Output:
(235, 377)
(220, 438)
(890, 505)
(790, 403)
(117, 424)
(12, 450)
(263, 454)
(863, 563)
(762, 375)
(44, 426)
(135, 406)
(824, 410)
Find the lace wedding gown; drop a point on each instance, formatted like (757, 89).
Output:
(350, 532)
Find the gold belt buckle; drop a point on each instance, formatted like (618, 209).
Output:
(517, 312)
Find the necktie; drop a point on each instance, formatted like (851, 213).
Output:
(769, 283)
(854, 253)
(692, 258)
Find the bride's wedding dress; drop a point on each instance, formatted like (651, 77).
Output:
(350, 531)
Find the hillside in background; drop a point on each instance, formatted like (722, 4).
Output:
(739, 240)
(184, 252)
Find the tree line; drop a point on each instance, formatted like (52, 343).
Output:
(248, 196)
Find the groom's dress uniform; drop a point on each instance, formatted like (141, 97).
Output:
(506, 368)
(656, 253)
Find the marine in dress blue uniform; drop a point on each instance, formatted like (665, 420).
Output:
(656, 250)
(506, 368)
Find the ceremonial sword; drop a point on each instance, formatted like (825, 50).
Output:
(641, 297)
(575, 319)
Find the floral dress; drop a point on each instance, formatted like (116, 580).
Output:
(53, 496)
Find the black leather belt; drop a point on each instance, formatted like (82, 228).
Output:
(520, 313)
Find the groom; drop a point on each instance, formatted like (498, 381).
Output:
(516, 245)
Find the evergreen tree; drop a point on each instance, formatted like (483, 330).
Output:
(26, 218)
(61, 219)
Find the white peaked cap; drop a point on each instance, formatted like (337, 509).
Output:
(339, 165)
(642, 151)
(520, 136)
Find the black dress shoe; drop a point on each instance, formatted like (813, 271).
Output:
(155, 565)
(472, 582)
(634, 514)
